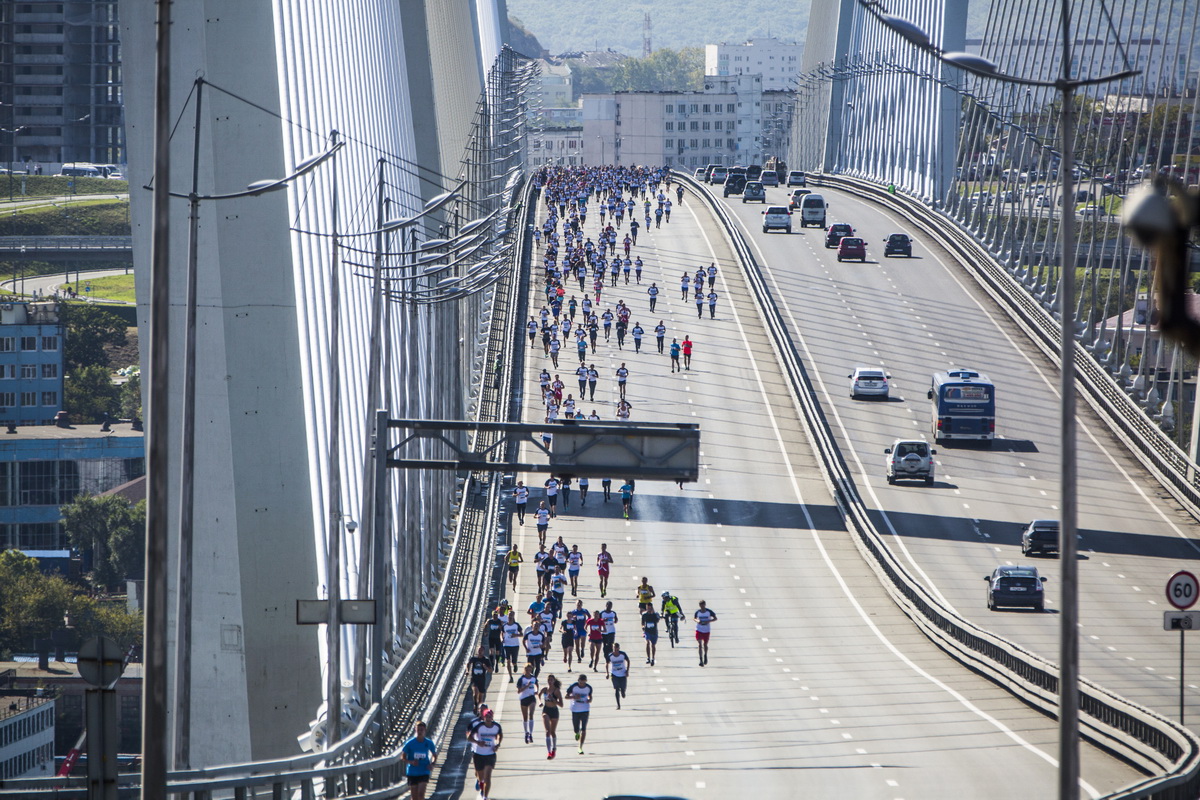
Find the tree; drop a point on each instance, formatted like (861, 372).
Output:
(131, 397)
(112, 529)
(664, 70)
(32, 605)
(89, 330)
(89, 393)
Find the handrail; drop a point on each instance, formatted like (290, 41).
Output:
(1141, 736)
(36, 243)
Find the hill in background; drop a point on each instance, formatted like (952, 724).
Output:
(563, 25)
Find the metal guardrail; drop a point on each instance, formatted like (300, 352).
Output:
(1164, 459)
(429, 682)
(1170, 752)
(32, 244)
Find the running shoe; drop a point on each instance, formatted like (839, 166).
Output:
(553, 752)
(580, 753)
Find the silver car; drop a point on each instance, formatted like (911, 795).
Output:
(910, 460)
(868, 382)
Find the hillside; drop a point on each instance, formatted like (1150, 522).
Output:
(562, 26)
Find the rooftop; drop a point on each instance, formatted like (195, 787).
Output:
(121, 428)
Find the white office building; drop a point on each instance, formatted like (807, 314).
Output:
(776, 61)
(720, 125)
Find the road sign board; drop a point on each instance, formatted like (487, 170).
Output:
(1182, 590)
(1181, 620)
(101, 661)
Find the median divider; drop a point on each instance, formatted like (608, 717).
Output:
(1168, 752)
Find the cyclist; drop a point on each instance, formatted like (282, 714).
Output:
(672, 613)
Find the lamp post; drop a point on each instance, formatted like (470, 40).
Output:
(1068, 683)
(182, 747)
(12, 156)
(600, 139)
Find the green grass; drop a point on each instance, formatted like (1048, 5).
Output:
(115, 287)
(91, 217)
(51, 186)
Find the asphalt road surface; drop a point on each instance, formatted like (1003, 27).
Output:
(920, 315)
(817, 686)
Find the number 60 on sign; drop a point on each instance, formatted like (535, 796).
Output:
(1182, 590)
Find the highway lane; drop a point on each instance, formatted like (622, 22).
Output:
(817, 685)
(921, 315)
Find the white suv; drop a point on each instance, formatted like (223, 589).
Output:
(776, 217)
(910, 460)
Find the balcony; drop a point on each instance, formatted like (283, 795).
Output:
(28, 59)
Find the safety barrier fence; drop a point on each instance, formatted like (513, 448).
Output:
(1168, 752)
(428, 683)
(32, 244)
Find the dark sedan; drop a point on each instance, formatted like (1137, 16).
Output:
(1015, 586)
(835, 232)
(897, 244)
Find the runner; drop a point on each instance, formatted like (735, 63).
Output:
(552, 486)
(520, 498)
(595, 635)
(580, 616)
(419, 757)
(652, 291)
(575, 558)
(513, 560)
(617, 669)
(627, 498)
(685, 283)
(552, 701)
(623, 410)
(609, 616)
(645, 596)
(687, 353)
(712, 305)
(478, 667)
(622, 377)
(581, 703)
(583, 487)
(511, 642)
(604, 559)
(532, 328)
(638, 333)
(494, 636)
(606, 485)
(660, 333)
(527, 692)
(543, 522)
(675, 350)
(485, 740)
(650, 619)
(534, 642)
(593, 376)
(704, 618)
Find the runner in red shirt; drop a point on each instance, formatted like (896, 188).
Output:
(595, 635)
(604, 561)
(687, 353)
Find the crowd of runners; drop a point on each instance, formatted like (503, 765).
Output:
(553, 633)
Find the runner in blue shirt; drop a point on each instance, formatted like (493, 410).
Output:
(419, 756)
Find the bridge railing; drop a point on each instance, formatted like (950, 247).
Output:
(32, 244)
(1169, 752)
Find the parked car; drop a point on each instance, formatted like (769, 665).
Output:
(1040, 536)
(868, 382)
(1093, 210)
(796, 198)
(851, 247)
(897, 244)
(910, 460)
(835, 232)
(769, 177)
(776, 218)
(1042, 201)
(754, 191)
(1012, 585)
(797, 178)
(734, 184)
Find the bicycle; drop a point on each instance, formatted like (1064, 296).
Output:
(673, 628)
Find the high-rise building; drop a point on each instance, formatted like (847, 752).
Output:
(776, 61)
(60, 82)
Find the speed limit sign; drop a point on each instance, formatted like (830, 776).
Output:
(1182, 589)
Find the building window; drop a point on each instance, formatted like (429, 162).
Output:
(8, 399)
(28, 399)
(729, 143)
(670, 126)
(39, 536)
(8, 371)
(29, 343)
(730, 108)
(50, 399)
(695, 126)
(670, 108)
(6, 344)
(695, 107)
(707, 108)
(707, 125)
(706, 144)
(29, 371)
(692, 143)
(670, 143)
